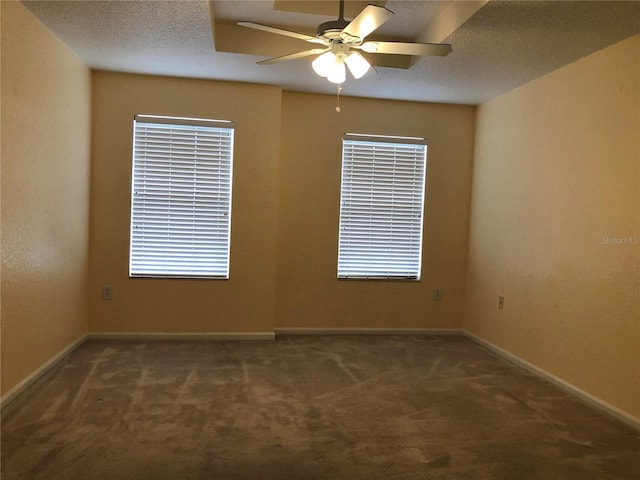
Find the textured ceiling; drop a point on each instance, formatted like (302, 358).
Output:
(502, 45)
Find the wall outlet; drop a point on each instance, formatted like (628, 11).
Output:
(107, 293)
(437, 295)
(501, 303)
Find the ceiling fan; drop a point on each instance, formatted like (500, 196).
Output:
(341, 42)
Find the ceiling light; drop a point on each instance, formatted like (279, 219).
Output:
(324, 64)
(331, 66)
(338, 73)
(357, 64)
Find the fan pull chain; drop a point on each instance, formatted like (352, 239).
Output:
(339, 90)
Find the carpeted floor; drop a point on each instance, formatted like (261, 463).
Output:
(334, 408)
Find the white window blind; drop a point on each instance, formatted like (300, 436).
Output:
(381, 205)
(181, 197)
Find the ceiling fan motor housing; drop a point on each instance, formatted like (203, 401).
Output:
(331, 30)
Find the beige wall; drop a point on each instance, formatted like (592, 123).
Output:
(293, 197)
(309, 295)
(45, 195)
(557, 174)
(244, 303)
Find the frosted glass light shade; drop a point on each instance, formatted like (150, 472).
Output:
(357, 64)
(338, 73)
(324, 64)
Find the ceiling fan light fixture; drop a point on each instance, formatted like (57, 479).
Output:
(339, 39)
(331, 66)
(357, 64)
(324, 64)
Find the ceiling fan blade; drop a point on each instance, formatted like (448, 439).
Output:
(402, 48)
(280, 31)
(367, 21)
(293, 56)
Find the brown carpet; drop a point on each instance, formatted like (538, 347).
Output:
(306, 408)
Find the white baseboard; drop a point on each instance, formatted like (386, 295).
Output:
(183, 336)
(40, 371)
(367, 331)
(589, 399)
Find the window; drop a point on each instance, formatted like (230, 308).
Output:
(381, 205)
(181, 197)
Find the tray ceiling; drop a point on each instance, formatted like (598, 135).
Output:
(497, 45)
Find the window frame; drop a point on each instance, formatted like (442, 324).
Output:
(219, 155)
(347, 261)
